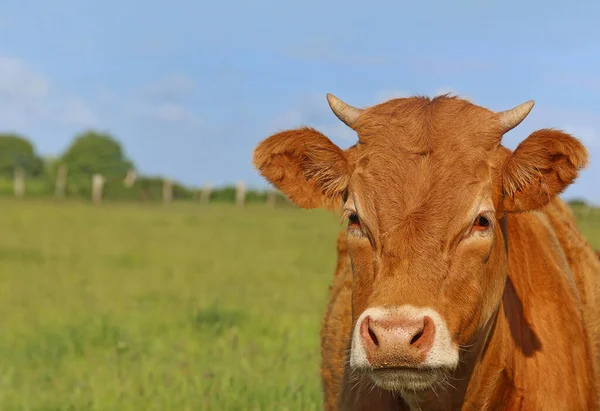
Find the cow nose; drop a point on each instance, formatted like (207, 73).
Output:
(397, 341)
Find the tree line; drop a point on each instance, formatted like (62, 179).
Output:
(92, 152)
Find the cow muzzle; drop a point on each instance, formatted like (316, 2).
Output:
(402, 348)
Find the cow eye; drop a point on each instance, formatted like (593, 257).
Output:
(354, 225)
(482, 221)
(481, 224)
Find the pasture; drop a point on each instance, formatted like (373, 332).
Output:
(187, 307)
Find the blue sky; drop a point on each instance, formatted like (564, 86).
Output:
(191, 87)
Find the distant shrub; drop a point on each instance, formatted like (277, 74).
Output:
(37, 187)
(225, 194)
(577, 202)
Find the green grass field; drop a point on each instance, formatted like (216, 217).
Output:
(188, 307)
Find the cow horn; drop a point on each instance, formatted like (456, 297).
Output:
(343, 111)
(509, 119)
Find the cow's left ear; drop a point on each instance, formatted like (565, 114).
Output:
(541, 167)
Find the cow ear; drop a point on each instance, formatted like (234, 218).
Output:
(305, 165)
(541, 167)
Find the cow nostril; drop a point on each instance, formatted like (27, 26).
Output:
(367, 333)
(373, 337)
(417, 337)
(425, 335)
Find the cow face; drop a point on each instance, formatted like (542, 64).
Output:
(425, 192)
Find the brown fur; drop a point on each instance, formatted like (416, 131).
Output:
(322, 166)
(552, 164)
(336, 327)
(522, 302)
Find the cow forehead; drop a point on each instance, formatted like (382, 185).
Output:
(427, 181)
(420, 201)
(422, 197)
(419, 125)
(427, 154)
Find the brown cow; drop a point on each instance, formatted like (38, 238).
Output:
(467, 283)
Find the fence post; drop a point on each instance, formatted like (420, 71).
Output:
(97, 186)
(130, 178)
(205, 194)
(19, 183)
(167, 190)
(61, 180)
(271, 198)
(240, 193)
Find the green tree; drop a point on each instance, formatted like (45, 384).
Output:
(95, 152)
(17, 151)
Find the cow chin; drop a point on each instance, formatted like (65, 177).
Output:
(407, 380)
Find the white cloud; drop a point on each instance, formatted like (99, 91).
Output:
(171, 112)
(75, 111)
(27, 98)
(17, 80)
(30, 105)
(162, 101)
(174, 87)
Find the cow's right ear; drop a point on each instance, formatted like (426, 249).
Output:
(305, 165)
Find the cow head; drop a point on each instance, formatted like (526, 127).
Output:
(425, 191)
